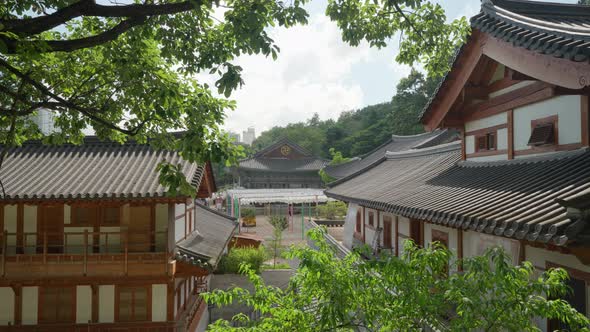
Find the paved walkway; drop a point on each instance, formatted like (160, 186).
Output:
(263, 230)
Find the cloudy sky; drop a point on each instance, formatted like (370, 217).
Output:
(318, 73)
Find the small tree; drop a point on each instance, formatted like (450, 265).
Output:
(403, 294)
(337, 158)
(332, 210)
(279, 224)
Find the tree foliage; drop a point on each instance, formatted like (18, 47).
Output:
(402, 294)
(127, 69)
(360, 131)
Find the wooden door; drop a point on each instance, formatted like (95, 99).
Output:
(51, 222)
(139, 229)
(387, 232)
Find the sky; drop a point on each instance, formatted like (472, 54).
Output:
(316, 72)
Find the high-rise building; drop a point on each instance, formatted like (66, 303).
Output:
(234, 136)
(248, 136)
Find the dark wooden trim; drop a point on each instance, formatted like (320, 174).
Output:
(527, 95)
(548, 148)
(521, 252)
(18, 304)
(575, 273)
(510, 140)
(487, 130)
(463, 142)
(95, 302)
(501, 84)
(486, 153)
(364, 224)
(153, 227)
(585, 119)
(170, 300)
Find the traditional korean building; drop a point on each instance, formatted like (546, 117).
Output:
(92, 242)
(520, 177)
(393, 144)
(283, 164)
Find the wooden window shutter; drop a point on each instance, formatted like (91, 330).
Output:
(542, 134)
(481, 143)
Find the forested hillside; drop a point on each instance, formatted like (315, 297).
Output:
(359, 131)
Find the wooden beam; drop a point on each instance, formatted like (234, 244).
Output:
(542, 67)
(453, 86)
(475, 92)
(489, 71)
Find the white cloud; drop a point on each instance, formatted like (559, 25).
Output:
(313, 74)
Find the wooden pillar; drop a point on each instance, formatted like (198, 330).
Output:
(510, 134)
(170, 301)
(20, 212)
(363, 225)
(95, 302)
(18, 304)
(396, 236)
(463, 142)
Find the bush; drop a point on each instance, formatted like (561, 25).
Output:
(248, 213)
(332, 210)
(231, 262)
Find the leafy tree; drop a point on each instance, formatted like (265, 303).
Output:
(402, 294)
(332, 210)
(279, 224)
(337, 158)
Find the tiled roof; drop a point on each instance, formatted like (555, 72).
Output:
(283, 165)
(560, 30)
(518, 198)
(281, 142)
(205, 246)
(92, 170)
(394, 144)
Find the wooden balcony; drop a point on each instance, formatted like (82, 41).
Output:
(99, 327)
(83, 254)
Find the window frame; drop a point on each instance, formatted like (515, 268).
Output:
(43, 297)
(148, 314)
(554, 120)
(486, 136)
(94, 215)
(371, 218)
(359, 222)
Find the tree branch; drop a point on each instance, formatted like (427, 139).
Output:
(88, 112)
(75, 44)
(36, 25)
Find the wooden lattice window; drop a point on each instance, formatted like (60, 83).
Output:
(84, 215)
(133, 304)
(110, 216)
(544, 131)
(371, 219)
(57, 304)
(486, 142)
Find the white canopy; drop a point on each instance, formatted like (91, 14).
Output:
(292, 195)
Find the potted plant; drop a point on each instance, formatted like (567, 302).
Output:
(248, 217)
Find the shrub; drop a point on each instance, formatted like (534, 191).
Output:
(231, 262)
(332, 210)
(248, 213)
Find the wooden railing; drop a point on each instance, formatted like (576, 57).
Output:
(80, 242)
(81, 250)
(99, 327)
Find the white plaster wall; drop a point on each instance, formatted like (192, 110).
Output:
(30, 305)
(114, 240)
(475, 243)
(106, 303)
(179, 228)
(30, 226)
(567, 108)
(161, 226)
(490, 121)
(83, 304)
(76, 241)
(349, 225)
(469, 144)
(502, 139)
(6, 306)
(67, 214)
(159, 302)
(10, 225)
(510, 88)
(403, 228)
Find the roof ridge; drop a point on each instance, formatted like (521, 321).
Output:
(437, 149)
(219, 213)
(488, 7)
